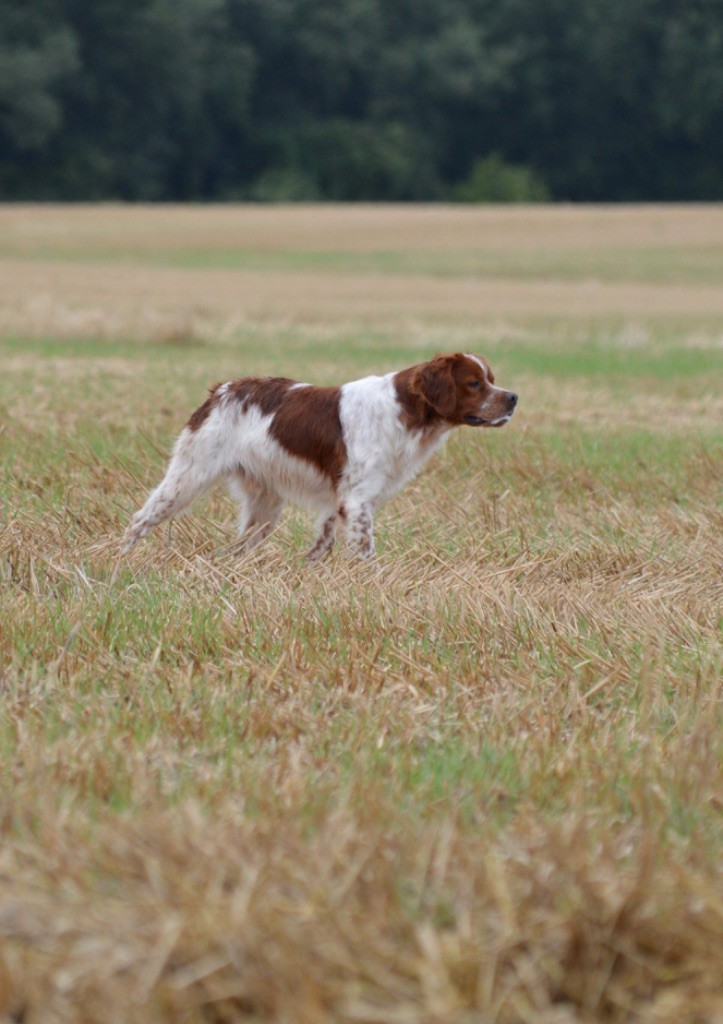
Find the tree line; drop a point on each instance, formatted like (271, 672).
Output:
(602, 100)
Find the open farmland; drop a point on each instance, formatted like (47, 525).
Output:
(478, 781)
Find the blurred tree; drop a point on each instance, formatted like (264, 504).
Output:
(360, 99)
(593, 103)
(491, 180)
(161, 89)
(343, 159)
(37, 53)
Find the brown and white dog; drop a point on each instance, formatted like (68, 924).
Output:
(338, 451)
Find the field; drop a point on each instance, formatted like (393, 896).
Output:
(479, 781)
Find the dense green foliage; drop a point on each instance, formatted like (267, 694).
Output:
(361, 99)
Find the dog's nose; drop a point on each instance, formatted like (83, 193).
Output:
(511, 399)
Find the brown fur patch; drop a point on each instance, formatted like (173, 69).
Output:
(305, 422)
(306, 419)
(199, 417)
(307, 425)
(266, 392)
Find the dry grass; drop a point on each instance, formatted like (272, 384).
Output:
(140, 271)
(79, 230)
(45, 299)
(480, 781)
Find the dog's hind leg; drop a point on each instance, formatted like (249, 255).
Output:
(189, 474)
(260, 508)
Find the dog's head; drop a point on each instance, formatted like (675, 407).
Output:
(461, 389)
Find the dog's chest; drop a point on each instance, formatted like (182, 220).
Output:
(409, 455)
(385, 460)
(383, 454)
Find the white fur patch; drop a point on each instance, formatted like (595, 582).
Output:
(476, 359)
(382, 454)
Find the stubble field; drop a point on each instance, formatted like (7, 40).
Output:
(480, 780)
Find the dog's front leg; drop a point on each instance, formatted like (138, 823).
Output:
(360, 528)
(324, 539)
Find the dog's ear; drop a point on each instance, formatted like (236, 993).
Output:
(435, 382)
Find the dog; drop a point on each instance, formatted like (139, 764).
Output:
(338, 451)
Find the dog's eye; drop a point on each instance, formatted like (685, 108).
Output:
(474, 384)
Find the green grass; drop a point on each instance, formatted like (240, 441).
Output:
(701, 265)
